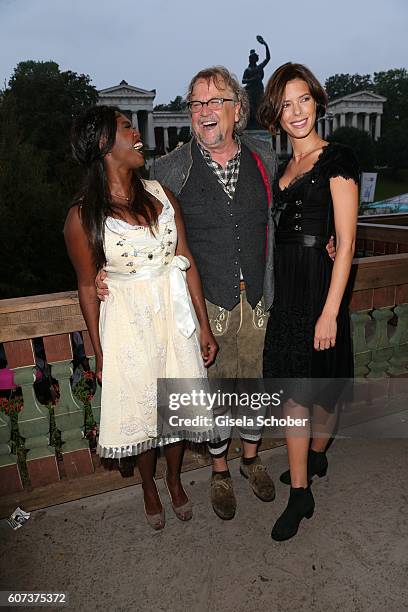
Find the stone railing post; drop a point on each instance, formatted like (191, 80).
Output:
(380, 345)
(69, 414)
(34, 419)
(362, 353)
(399, 342)
(10, 478)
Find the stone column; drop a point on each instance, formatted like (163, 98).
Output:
(326, 127)
(335, 123)
(151, 141)
(354, 120)
(367, 123)
(278, 143)
(320, 127)
(135, 121)
(343, 120)
(166, 139)
(377, 126)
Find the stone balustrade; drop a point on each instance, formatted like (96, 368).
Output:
(382, 235)
(52, 317)
(379, 314)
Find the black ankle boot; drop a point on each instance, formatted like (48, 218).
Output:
(300, 505)
(316, 466)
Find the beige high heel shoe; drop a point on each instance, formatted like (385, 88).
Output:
(184, 512)
(156, 521)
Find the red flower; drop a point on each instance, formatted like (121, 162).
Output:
(12, 405)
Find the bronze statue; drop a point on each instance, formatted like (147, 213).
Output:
(252, 79)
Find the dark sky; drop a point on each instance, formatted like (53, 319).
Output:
(161, 43)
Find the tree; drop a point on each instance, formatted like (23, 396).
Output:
(393, 84)
(340, 85)
(37, 175)
(392, 148)
(176, 105)
(361, 143)
(184, 134)
(32, 212)
(45, 100)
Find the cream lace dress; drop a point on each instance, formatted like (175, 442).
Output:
(148, 330)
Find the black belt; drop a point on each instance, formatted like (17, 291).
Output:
(306, 240)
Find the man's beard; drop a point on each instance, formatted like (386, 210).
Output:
(212, 142)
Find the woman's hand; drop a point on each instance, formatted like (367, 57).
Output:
(325, 331)
(209, 347)
(98, 369)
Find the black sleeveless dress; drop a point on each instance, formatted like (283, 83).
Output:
(303, 272)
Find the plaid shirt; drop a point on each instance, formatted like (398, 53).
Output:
(228, 178)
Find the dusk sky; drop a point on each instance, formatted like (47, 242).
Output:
(160, 44)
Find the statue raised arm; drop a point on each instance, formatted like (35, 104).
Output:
(267, 53)
(252, 79)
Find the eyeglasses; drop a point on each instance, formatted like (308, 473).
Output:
(214, 104)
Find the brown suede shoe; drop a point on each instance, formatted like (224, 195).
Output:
(259, 479)
(222, 496)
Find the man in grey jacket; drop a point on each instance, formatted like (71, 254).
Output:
(223, 181)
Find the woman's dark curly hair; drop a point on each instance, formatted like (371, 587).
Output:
(271, 107)
(93, 135)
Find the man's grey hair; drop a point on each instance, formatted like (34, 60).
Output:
(222, 79)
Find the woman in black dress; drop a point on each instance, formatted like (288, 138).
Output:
(308, 334)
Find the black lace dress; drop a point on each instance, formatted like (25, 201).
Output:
(303, 272)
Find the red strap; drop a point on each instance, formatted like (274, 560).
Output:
(265, 179)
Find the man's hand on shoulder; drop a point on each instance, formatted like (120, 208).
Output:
(102, 289)
(330, 248)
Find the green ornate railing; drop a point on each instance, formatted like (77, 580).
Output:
(52, 317)
(379, 314)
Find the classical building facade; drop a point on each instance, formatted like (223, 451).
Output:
(361, 110)
(154, 126)
(168, 123)
(136, 102)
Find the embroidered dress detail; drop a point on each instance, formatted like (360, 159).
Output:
(148, 330)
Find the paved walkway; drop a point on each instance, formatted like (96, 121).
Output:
(351, 556)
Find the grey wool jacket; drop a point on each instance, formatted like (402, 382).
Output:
(173, 170)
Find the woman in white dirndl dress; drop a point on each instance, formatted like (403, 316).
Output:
(154, 323)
